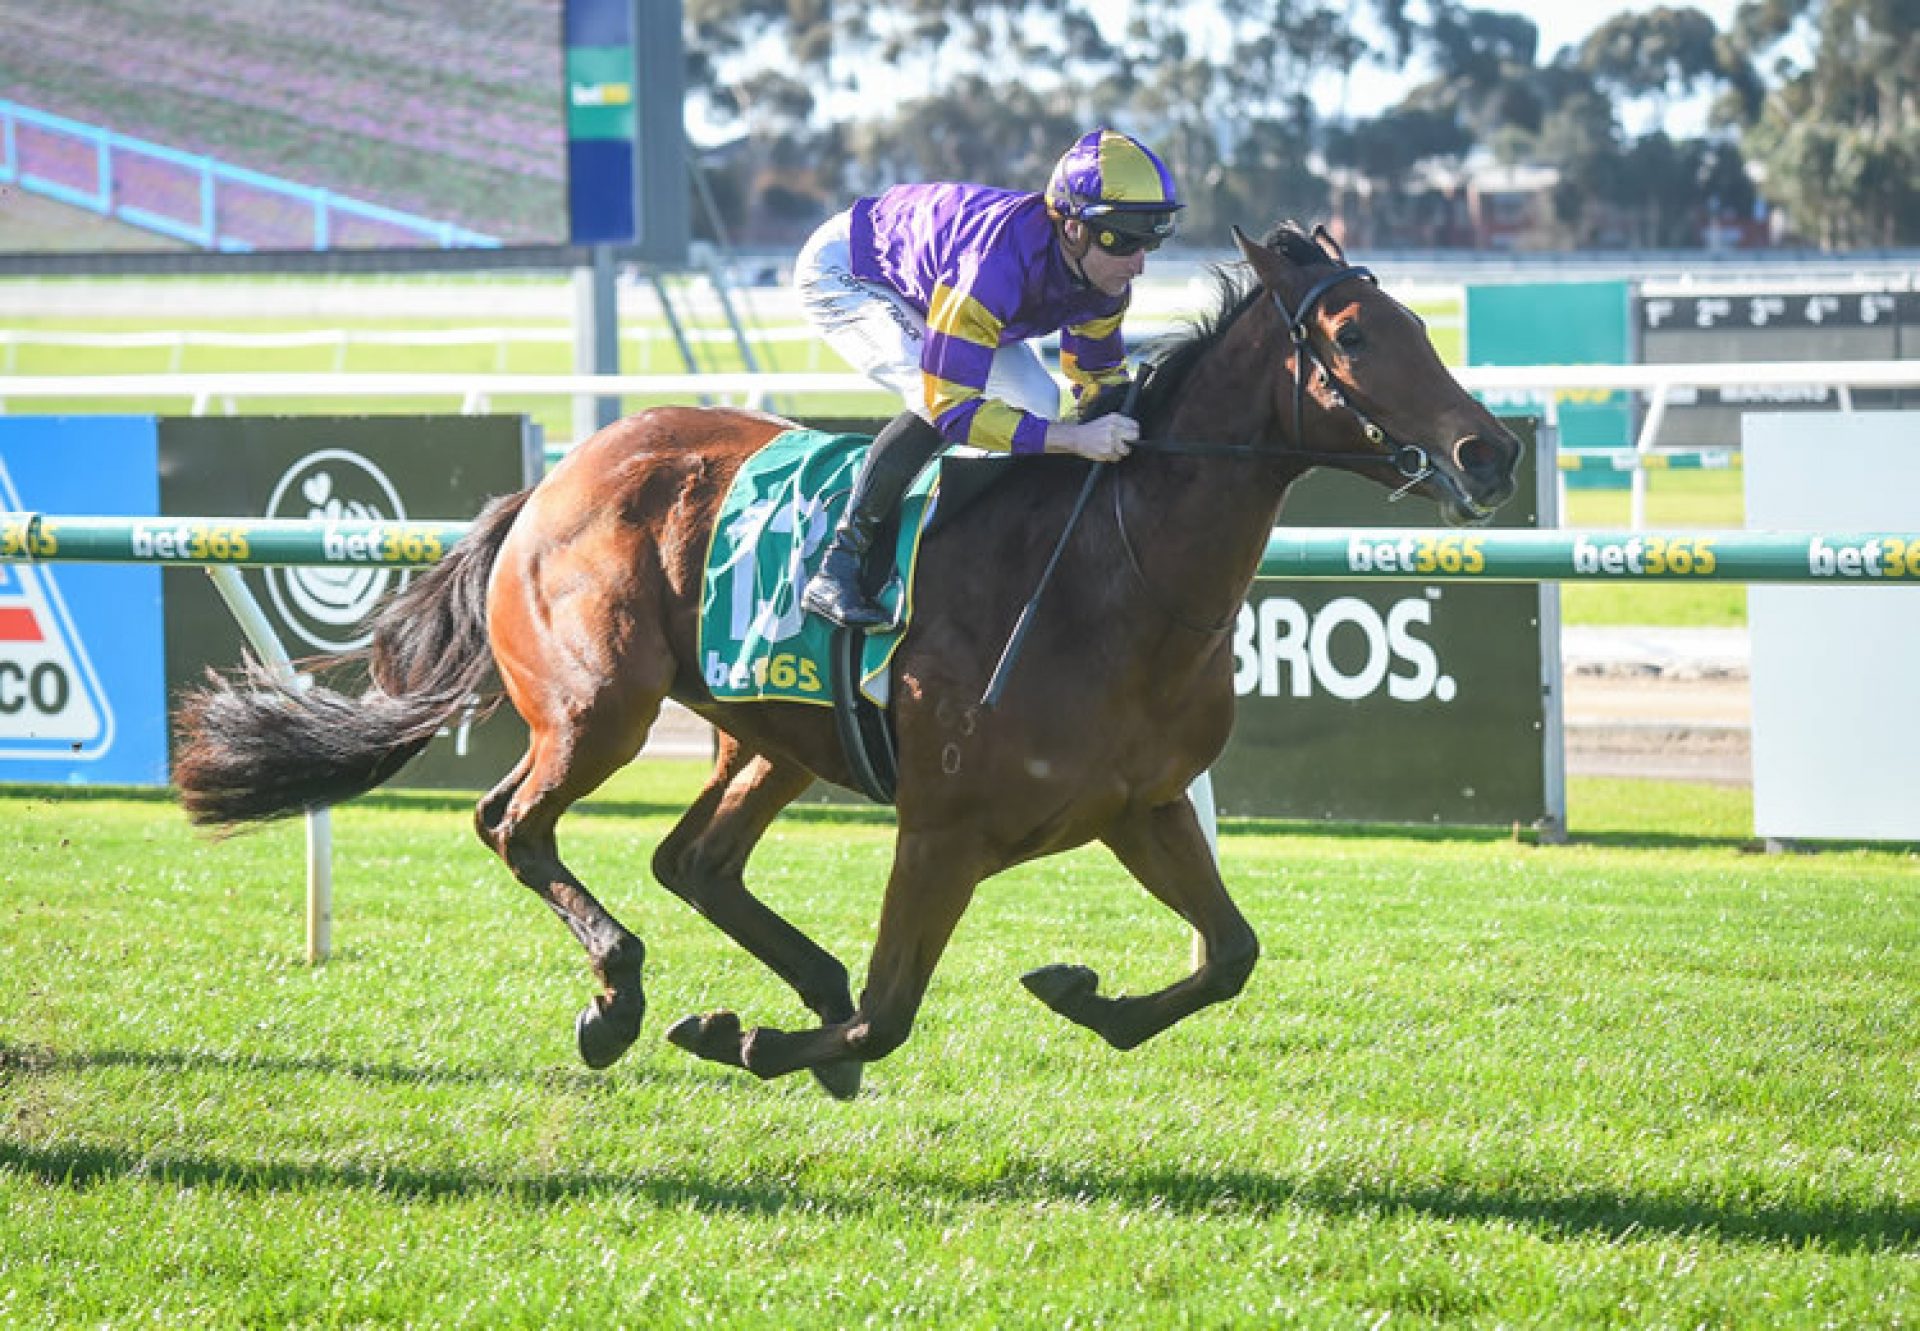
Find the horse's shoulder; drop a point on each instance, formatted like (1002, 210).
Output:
(717, 431)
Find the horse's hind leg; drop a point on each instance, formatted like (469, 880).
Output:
(932, 882)
(703, 862)
(517, 820)
(1167, 851)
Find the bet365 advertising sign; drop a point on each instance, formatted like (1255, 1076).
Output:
(91, 654)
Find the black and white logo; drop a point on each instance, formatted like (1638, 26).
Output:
(325, 606)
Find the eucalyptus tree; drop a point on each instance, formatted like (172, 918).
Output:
(1838, 126)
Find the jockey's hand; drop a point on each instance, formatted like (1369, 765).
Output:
(1107, 439)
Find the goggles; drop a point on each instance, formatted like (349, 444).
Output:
(1124, 244)
(1126, 232)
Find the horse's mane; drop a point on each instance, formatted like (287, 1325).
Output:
(1168, 362)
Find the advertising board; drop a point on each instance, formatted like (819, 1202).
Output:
(1388, 701)
(91, 654)
(81, 694)
(374, 468)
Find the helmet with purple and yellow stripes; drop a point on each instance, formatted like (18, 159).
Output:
(1115, 181)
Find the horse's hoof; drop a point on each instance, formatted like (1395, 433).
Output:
(602, 1038)
(1062, 988)
(714, 1036)
(840, 1080)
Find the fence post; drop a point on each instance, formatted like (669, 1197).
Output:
(247, 613)
(1649, 435)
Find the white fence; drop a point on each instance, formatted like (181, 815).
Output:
(176, 342)
(475, 393)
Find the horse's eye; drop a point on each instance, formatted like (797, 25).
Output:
(1349, 338)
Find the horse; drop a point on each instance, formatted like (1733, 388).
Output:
(582, 593)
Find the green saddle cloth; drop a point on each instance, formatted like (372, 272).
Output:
(755, 640)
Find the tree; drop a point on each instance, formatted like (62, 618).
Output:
(1485, 69)
(847, 97)
(1839, 135)
(1653, 53)
(1006, 135)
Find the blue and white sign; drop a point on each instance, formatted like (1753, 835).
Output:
(82, 692)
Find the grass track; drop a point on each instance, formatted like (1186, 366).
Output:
(1649, 1079)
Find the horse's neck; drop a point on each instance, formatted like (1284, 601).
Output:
(1212, 514)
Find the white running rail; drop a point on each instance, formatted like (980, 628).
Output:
(476, 392)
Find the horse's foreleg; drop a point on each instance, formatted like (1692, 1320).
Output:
(703, 862)
(930, 887)
(1167, 851)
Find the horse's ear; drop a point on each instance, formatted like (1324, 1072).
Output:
(1267, 265)
(1328, 245)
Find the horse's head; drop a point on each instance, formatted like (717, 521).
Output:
(1367, 391)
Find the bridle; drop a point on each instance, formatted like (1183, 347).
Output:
(1411, 460)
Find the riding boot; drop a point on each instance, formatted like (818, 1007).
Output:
(899, 451)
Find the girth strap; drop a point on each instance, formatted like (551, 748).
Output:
(866, 732)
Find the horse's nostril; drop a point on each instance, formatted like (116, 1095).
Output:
(1475, 455)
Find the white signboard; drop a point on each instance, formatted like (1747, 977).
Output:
(1836, 722)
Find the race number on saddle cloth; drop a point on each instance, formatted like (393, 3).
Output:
(755, 640)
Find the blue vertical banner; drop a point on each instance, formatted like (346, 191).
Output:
(601, 122)
(82, 683)
(626, 137)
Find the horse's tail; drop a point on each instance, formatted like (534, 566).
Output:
(250, 749)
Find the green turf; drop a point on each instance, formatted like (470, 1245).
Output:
(647, 347)
(1648, 1079)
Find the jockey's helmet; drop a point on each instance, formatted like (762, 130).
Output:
(1115, 181)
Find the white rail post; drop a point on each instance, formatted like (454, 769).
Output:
(1201, 793)
(1550, 428)
(247, 613)
(1550, 490)
(1649, 434)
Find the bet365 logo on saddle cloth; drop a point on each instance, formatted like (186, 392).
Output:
(755, 640)
(51, 702)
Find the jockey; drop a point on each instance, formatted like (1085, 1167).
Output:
(933, 289)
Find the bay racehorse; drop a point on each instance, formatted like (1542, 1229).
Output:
(583, 594)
